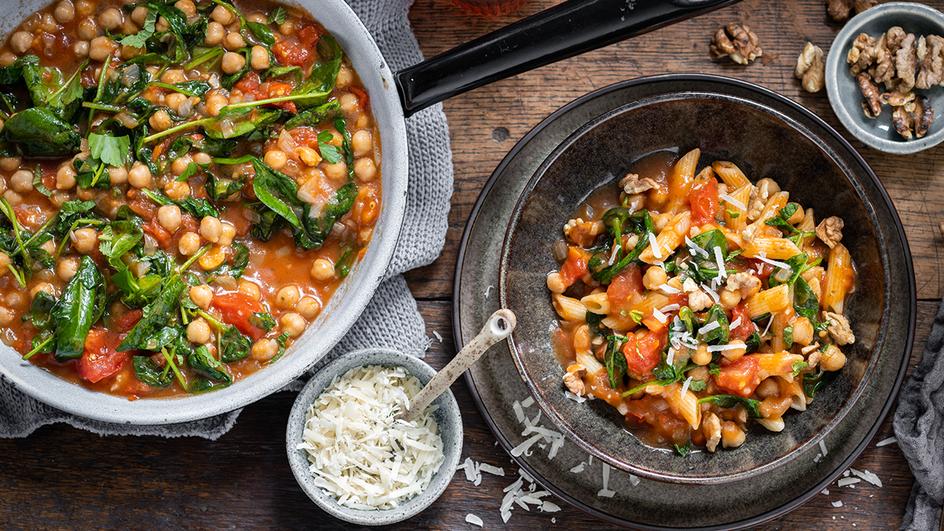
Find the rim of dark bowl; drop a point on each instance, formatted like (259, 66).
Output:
(873, 179)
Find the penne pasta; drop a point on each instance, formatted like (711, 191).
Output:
(669, 239)
(794, 389)
(770, 301)
(597, 303)
(680, 180)
(731, 175)
(684, 404)
(735, 212)
(772, 248)
(838, 280)
(777, 363)
(569, 309)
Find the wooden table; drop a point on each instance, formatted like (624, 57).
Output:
(61, 477)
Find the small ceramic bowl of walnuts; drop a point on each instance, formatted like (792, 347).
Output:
(885, 77)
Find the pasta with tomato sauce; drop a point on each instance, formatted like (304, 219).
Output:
(696, 302)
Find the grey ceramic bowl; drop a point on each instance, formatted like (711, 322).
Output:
(447, 416)
(844, 94)
(767, 136)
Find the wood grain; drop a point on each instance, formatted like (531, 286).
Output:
(61, 477)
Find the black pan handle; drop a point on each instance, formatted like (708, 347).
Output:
(568, 29)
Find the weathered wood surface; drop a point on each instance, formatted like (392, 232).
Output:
(61, 477)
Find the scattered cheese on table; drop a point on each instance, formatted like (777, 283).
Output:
(474, 520)
(359, 452)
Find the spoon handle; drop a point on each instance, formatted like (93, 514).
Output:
(497, 327)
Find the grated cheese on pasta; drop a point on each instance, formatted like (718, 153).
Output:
(358, 452)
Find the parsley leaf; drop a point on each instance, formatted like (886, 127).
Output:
(139, 39)
(112, 150)
(729, 401)
(331, 154)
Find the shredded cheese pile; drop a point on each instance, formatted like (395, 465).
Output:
(358, 452)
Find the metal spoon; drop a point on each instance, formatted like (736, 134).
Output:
(497, 327)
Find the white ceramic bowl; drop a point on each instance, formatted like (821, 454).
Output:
(843, 91)
(447, 416)
(344, 307)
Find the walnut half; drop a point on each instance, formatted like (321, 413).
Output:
(737, 42)
(811, 68)
(839, 10)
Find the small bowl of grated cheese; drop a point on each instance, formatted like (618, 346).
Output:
(353, 457)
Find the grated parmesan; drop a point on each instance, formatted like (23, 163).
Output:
(775, 263)
(654, 245)
(359, 452)
(732, 201)
(886, 441)
(474, 520)
(695, 248)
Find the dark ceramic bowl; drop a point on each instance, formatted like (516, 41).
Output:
(767, 136)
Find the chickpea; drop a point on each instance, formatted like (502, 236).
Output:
(7, 58)
(10, 163)
(234, 41)
(198, 331)
(175, 100)
(117, 175)
(180, 165)
(729, 299)
(177, 190)
(22, 181)
(345, 77)
(4, 262)
(322, 269)
(201, 295)
(555, 282)
(214, 34)
(732, 435)
(187, 7)
(222, 15)
(336, 171)
(365, 169)
(66, 268)
(64, 12)
(81, 48)
(85, 7)
(84, 240)
(160, 120)
(256, 17)
(213, 258)
(349, 103)
(139, 176)
(139, 15)
(174, 75)
(362, 142)
(766, 187)
(202, 158)
(308, 155)
(15, 299)
(232, 62)
(774, 407)
(264, 349)
(65, 177)
(211, 229)
(44, 287)
(287, 297)
(169, 217)
(275, 159)
(189, 243)
(259, 58)
(6, 316)
(228, 232)
(21, 41)
(832, 359)
(701, 356)
(250, 289)
(735, 353)
(12, 197)
(110, 18)
(288, 28)
(768, 388)
(655, 276)
(802, 331)
(100, 48)
(87, 29)
(215, 103)
(293, 324)
(309, 307)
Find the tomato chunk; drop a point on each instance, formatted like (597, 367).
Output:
(625, 286)
(127, 320)
(237, 309)
(100, 359)
(704, 201)
(740, 377)
(155, 229)
(575, 267)
(643, 353)
(747, 327)
(298, 51)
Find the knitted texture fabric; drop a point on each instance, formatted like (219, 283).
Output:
(919, 427)
(391, 319)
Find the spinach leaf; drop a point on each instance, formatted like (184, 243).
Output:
(188, 88)
(239, 122)
(13, 74)
(798, 264)
(798, 367)
(729, 401)
(276, 191)
(330, 153)
(816, 381)
(238, 264)
(149, 373)
(69, 214)
(718, 335)
(697, 386)
(38, 132)
(117, 239)
(156, 314)
(342, 268)
(38, 181)
(203, 363)
(40, 312)
(804, 300)
(314, 116)
(614, 360)
(261, 32)
(319, 227)
(639, 223)
(752, 343)
(234, 345)
(262, 320)
(80, 306)
(317, 88)
(788, 337)
(704, 269)
(683, 450)
(197, 206)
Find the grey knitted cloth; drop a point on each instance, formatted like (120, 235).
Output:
(919, 427)
(391, 319)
